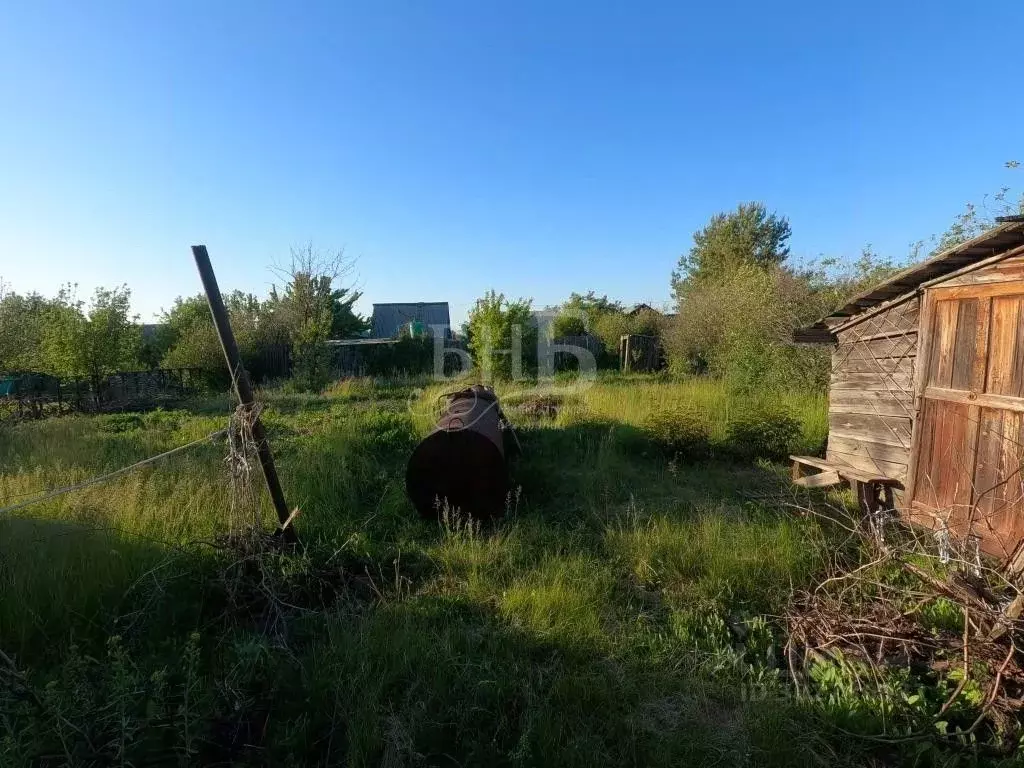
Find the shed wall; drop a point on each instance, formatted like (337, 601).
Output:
(871, 397)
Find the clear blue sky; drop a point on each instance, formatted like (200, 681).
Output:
(534, 147)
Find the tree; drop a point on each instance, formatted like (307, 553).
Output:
(610, 327)
(93, 340)
(21, 330)
(580, 312)
(497, 326)
(313, 308)
(748, 235)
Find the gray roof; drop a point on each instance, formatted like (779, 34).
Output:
(1000, 240)
(388, 319)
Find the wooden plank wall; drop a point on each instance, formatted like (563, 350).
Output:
(871, 399)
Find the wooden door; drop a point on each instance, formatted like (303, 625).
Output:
(966, 467)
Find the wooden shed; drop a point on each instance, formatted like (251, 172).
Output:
(927, 390)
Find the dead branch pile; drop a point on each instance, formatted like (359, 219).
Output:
(876, 618)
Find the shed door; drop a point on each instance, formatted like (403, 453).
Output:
(967, 471)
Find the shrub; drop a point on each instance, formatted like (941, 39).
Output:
(680, 432)
(496, 326)
(762, 431)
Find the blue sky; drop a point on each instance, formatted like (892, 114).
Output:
(533, 147)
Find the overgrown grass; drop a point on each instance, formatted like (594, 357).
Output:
(621, 613)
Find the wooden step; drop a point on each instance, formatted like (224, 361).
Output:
(820, 480)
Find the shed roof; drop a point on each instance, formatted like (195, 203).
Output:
(389, 318)
(997, 241)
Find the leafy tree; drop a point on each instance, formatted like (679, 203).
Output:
(90, 340)
(496, 327)
(313, 308)
(610, 327)
(189, 339)
(580, 312)
(21, 330)
(748, 235)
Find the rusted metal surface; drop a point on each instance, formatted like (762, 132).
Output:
(460, 466)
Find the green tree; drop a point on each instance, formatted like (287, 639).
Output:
(189, 340)
(90, 340)
(748, 235)
(610, 327)
(579, 313)
(502, 336)
(313, 308)
(21, 330)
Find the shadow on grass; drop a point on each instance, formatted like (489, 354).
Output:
(372, 666)
(569, 473)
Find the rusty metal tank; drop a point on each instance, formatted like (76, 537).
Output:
(461, 463)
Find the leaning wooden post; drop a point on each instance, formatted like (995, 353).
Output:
(243, 388)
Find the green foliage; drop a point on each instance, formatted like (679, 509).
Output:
(21, 330)
(502, 336)
(762, 430)
(111, 711)
(622, 615)
(680, 432)
(406, 356)
(90, 340)
(189, 339)
(750, 235)
(312, 309)
(611, 326)
(387, 432)
(579, 314)
(975, 219)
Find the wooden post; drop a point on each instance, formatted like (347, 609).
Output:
(243, 388)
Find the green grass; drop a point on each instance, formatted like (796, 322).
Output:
(595, 625)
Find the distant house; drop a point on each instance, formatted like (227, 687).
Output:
(388, 319)
(640, 308)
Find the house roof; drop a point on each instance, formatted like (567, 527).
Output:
(388, 319)
(995, 243)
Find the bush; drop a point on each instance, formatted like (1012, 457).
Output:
(496, 326)
(680, 432)
(762, 432)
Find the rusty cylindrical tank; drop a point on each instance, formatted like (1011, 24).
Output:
(461, 463)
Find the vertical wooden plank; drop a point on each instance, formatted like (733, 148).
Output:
(964, 344)
(918, 380)
(987, 465)
(1016, 384)
(958, 466)
(1005, 524)
(981, 344)
(944, 334)
(924, 488)
(1002, 344)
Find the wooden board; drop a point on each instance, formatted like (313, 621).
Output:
(881, 403)
(893, 454)
(820, 480)
(890, 367)
(1007, 270)
(888, 430)
(902, 317)
(872, 382)
(895, 470)
(904, 345)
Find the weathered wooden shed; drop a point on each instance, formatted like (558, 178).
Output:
(927, 390)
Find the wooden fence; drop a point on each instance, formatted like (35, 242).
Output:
(640, 353)
(34, 395)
